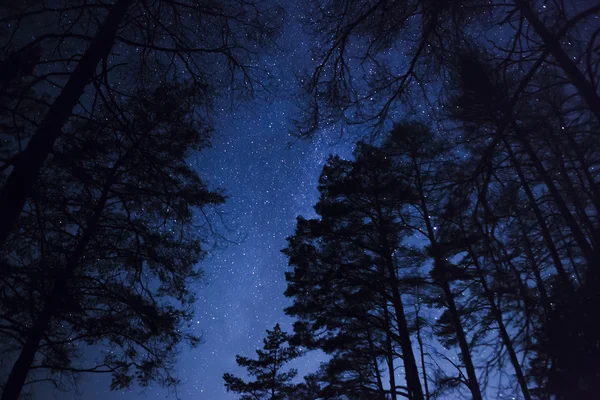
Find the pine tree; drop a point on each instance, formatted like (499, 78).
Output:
(346, 280)
(271, 382)
(419, 156)
(540, 191)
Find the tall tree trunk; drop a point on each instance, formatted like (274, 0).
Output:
(421, 350)
(19, 184)
(390, 355)
(539, 216)
(512, 354)
(274, 377)
(439, 264)
(578, 235)
(462, 339)
(410, 365)
(552, 44)
(20, 370)
(375, 363)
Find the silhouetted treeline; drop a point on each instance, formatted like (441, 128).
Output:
(457, 253)
(424, 277)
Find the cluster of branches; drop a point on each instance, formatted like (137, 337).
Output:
(375, 57)
(429, 274)
(104, 220)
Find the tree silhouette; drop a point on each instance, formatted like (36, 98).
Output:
(271, 381)
(498, 161)
(403, 48)
(552, 174)
(347, 282)
(479, 260)
(419, 155)
(159, 47)
(109, 251)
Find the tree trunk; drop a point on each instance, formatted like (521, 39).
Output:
(390, 356)
(462, 341)
(375, 363)
(540, 218)
(421, 351)
(20, 182)
(410, 365)
(439, 264)
(578, 235)
(512, 354)
(20, 370)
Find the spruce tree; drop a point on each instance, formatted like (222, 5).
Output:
(271, 382)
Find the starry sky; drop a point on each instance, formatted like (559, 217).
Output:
(270, 179)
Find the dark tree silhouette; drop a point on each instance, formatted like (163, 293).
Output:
(152, 39)
(107, 251)
(310, 389)
(271, 382)
(346, 281)
(498, 166)
(420, 155)
(372, 55)
(498, 252)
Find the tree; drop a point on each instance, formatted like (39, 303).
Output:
(535, 193)
(376, 57)
(108, 247)
(419, 155)
(160, 46)
(346, 281)
(310, 389)
(271, 381)
(499, 165)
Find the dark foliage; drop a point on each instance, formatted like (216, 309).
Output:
(106, 253)
(271, 382)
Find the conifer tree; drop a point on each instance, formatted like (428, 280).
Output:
(347, 280)
(272, 381)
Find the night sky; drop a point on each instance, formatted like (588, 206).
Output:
(270, 179)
